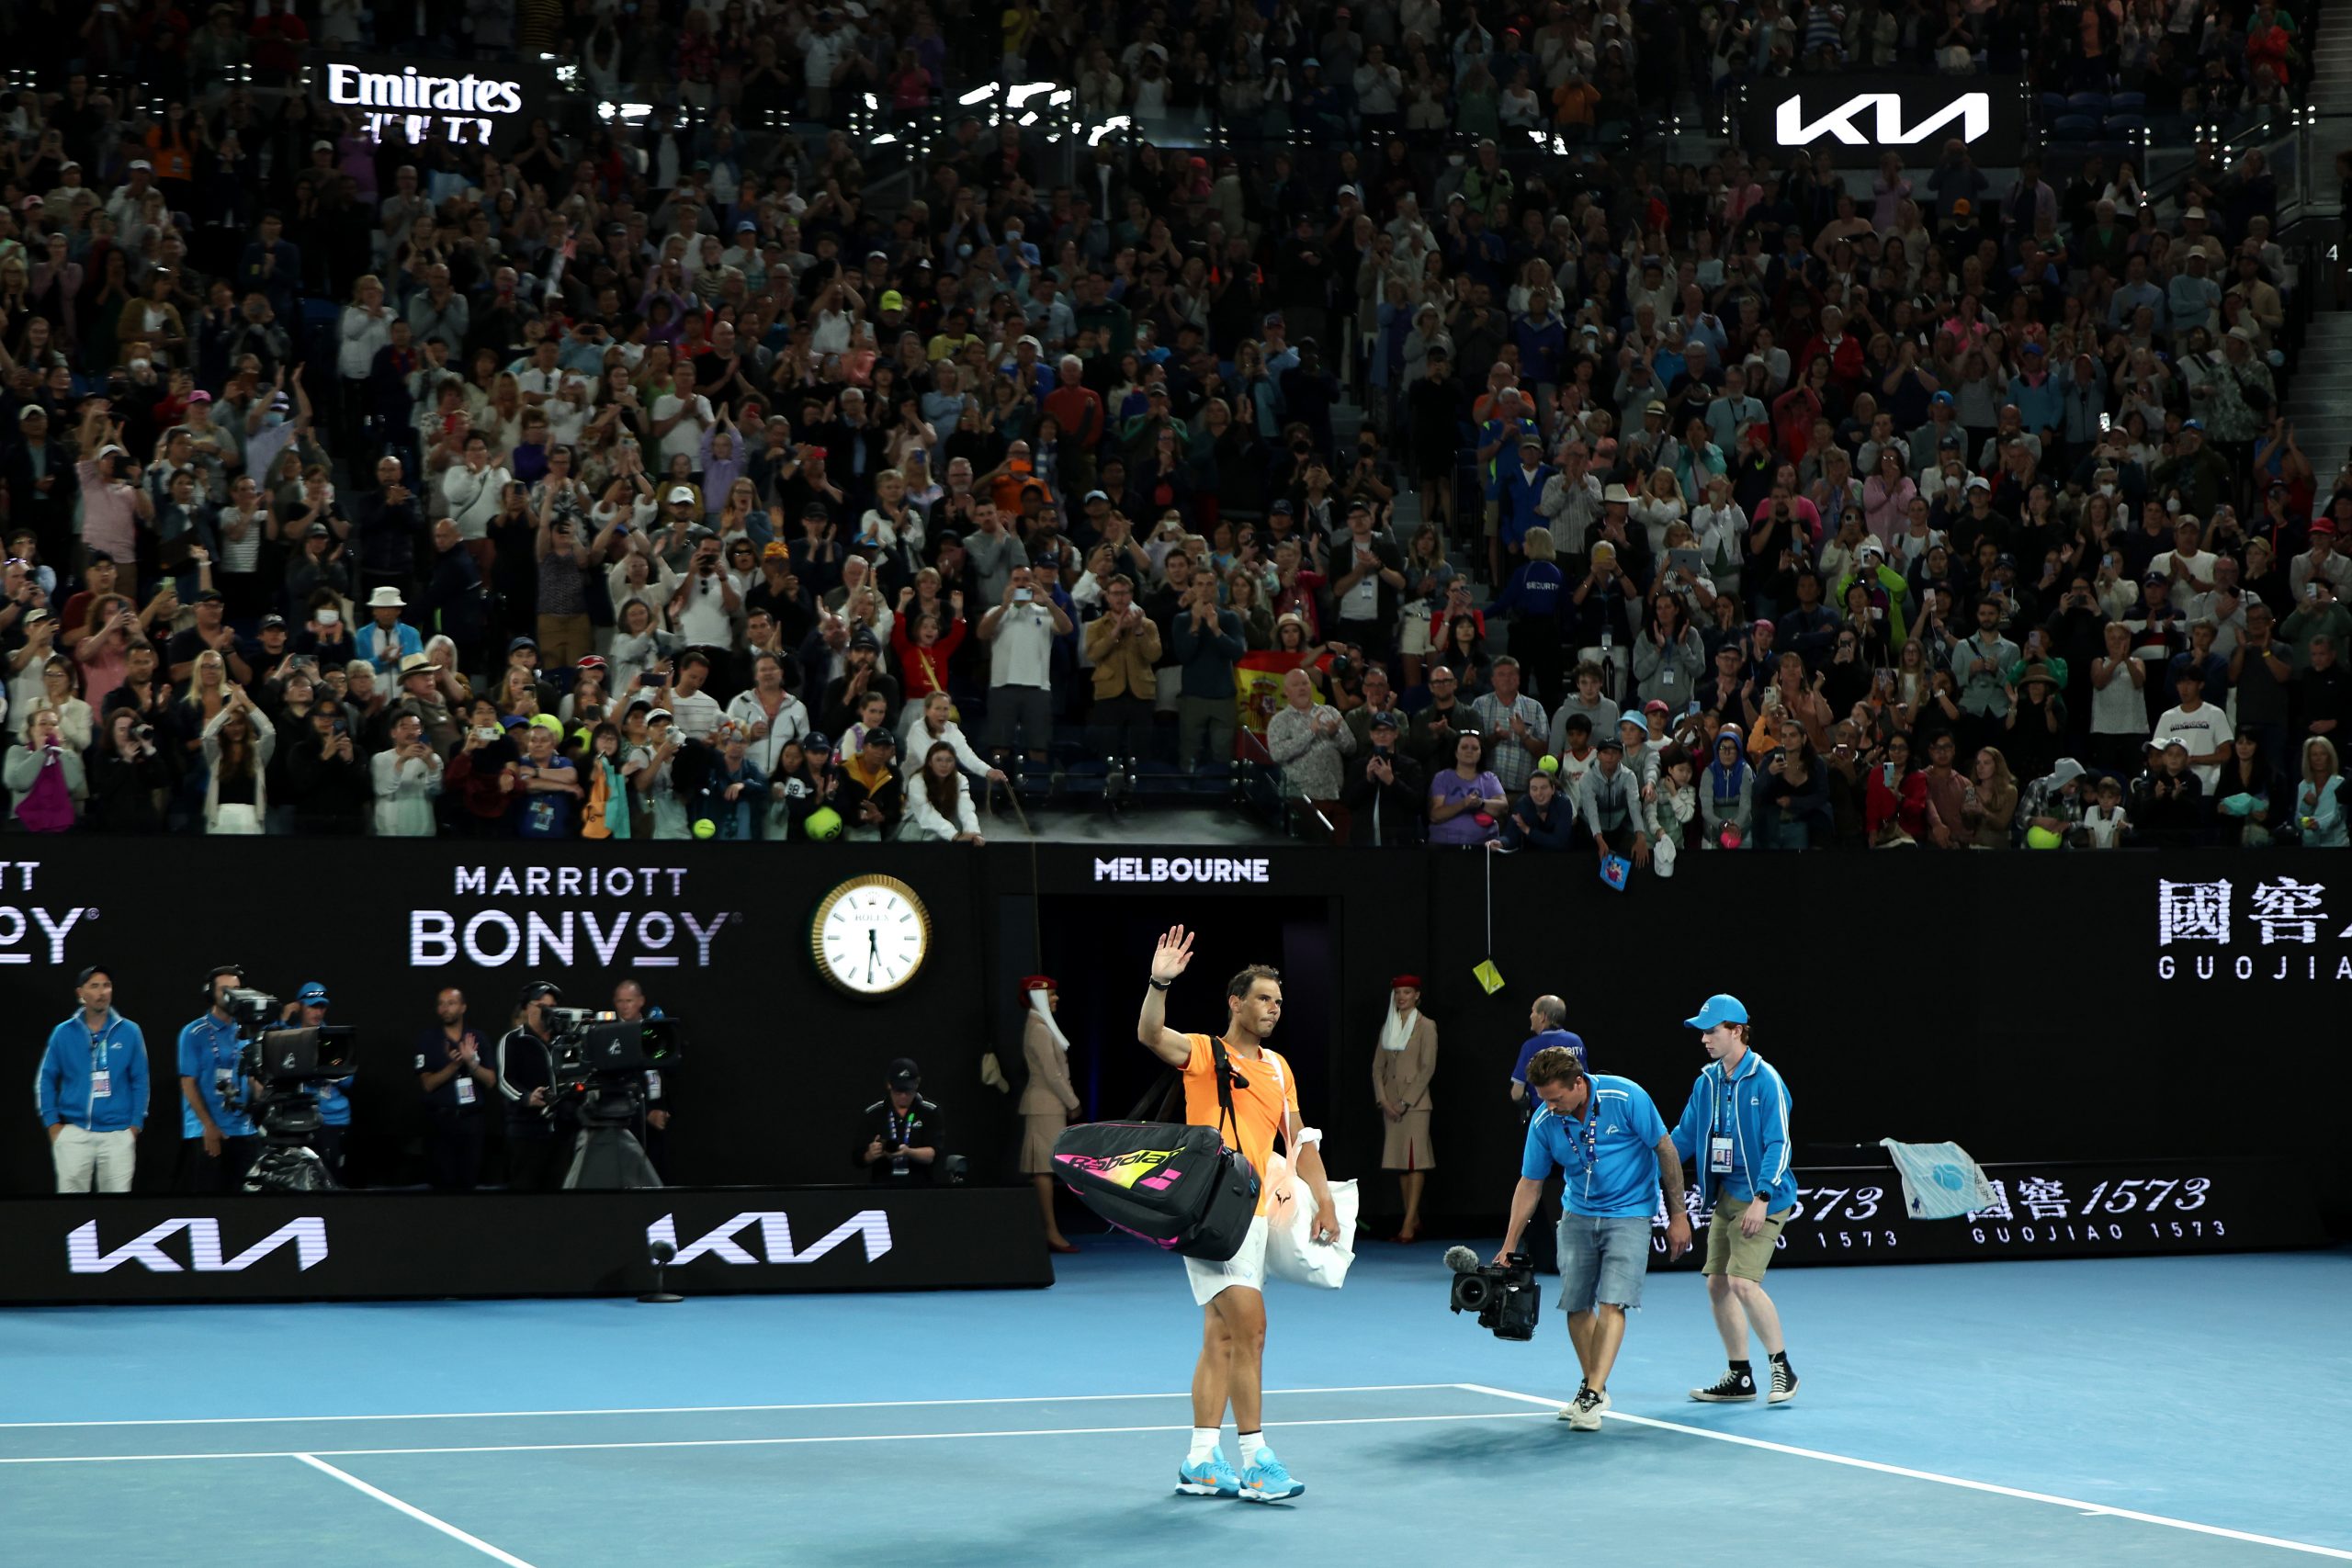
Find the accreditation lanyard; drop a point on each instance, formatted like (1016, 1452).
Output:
(1589, 1131)
(101, 1078)
(1721, 1146)
(898, 1135)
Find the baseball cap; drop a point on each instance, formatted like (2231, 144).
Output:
(2196, 424)
(904, 1074)
(539, 988)
(816, 740)
(865, 637)
(1610, 742)
(1721, 1008)
(1383, 721)
(530, 642)
(679, 493)
(313, 995)
(273, 622)
(893, 300)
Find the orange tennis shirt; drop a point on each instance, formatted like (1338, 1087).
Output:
(1257, 1109)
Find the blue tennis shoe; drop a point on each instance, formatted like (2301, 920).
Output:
(1268, 1481)
(1213, 1477)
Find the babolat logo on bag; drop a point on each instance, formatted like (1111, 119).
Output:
(1142, 1168)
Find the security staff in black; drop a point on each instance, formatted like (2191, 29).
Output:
(629, 1004)
(538, 1139)
(902, 1140)
(452, 1069)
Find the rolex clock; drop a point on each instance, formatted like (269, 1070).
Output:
(870, 935)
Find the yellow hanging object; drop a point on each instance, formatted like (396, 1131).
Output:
(1489, 976)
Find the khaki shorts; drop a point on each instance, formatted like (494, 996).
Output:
(1741, 1256)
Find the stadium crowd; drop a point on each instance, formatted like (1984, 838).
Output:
(1456, 455)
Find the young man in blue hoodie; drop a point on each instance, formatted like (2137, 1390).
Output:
(1736, 1133)
(93, 1090)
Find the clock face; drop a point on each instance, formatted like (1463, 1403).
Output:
(870, 935)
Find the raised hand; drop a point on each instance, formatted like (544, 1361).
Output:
(1173, 954)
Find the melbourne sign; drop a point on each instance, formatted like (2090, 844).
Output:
(1891, 114)
(439, 98)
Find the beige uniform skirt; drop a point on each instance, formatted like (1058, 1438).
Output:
(1408, 1144)
(1038, 1131)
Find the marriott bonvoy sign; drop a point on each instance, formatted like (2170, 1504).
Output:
(435, 99)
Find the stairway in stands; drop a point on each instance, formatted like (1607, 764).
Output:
(2319, 394)
(2319, 398)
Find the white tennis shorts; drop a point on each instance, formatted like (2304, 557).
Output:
(1247, 1266)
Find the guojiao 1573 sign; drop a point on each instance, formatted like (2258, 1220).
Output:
(467, 103)
(2252, 928)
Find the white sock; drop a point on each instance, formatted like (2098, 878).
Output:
(1203, 1445)
(1251, 1443)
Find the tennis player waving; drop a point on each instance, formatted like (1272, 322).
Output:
(1232, 1293)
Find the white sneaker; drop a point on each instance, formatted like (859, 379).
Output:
(1584, 1416)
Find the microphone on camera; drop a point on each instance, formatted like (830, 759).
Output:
(1461, 1259)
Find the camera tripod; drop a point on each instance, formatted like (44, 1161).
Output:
(607, 1156)
(287, 1162)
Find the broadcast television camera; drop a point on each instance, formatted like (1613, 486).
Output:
(1503, 1295)
(600, 1062)
(599, 1059)
(278, 1075)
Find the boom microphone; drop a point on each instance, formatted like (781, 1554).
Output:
(1461, 1259)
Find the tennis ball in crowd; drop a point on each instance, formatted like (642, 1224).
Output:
(824, 823)
(1549, 765)
(705, 828)
(2042, 839)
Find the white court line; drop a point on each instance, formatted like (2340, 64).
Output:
(686, 1409)
(766, 1442)
(1939, 1480)
(412, 1511)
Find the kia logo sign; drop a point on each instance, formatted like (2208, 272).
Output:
(871, 1226)
(307, 1236)
(1973, 110)
(1897, 115)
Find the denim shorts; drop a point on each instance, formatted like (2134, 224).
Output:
(1602, 1261)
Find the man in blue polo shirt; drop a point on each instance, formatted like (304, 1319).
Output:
(1735, 1130)
(220, 1144)
(93, 1090)
(1605, 1136)
(1549, 1019)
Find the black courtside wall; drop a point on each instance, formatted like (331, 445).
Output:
(2065, 1006)
(395, 1244)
